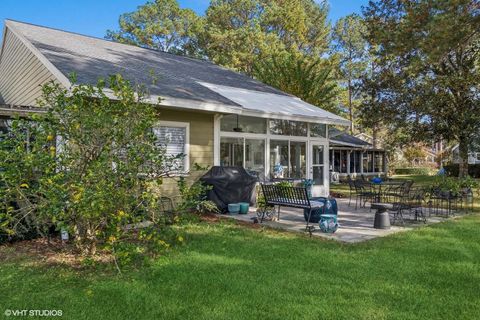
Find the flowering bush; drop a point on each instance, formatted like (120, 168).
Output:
(84, 166)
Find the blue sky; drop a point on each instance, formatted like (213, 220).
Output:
(94, 17)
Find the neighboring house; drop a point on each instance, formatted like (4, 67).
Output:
(213, 115)
(473, 156)
(350, 155)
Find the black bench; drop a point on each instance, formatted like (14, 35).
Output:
(294, 197)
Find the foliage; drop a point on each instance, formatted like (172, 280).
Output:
(240, 32)
(194, 197)
(85, 165)
(350, 45)
(310, 79)
(160, 25)
(414, 153)
(427, 56)
(414, 170)
(473, 170)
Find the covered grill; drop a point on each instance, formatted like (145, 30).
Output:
(230, 185)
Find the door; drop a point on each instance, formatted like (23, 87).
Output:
(318, 169)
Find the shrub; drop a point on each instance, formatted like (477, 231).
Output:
(473, 170)
(414, 170)
(83, 166)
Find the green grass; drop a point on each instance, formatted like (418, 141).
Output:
(227, 271)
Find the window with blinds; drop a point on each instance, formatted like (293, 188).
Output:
(174, 138)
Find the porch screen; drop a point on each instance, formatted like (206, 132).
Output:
(231, 152)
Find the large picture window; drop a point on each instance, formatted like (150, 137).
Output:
(240, 152)
(288, 159)
(174, 137)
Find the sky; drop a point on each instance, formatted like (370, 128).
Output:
(94, 17)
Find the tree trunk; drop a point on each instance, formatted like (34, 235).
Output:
(463, 158)
(374, 136)
(350, 108)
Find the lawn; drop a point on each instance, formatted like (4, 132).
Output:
(229, 271)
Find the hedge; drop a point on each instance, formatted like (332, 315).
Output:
(414, 170)
(473, 170)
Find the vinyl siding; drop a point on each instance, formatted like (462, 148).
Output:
(201, 145)
(21, 73)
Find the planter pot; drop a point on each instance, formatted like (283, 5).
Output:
(233, 208)
(244, 206)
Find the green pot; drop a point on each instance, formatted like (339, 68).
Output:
(244, 206)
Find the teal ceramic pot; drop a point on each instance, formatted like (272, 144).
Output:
(244, 206)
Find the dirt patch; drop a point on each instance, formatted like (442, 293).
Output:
(215, 218)
(42, 251)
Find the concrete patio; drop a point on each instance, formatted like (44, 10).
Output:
(356, 225)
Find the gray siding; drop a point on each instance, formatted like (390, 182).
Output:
(21, 73)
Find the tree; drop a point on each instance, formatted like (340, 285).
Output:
(160, 25)
(415, 154)
(305, 77)
(85, 166)
(240, 32)
(349, 43)
(428, 56)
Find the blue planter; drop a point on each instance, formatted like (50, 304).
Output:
(233, 208)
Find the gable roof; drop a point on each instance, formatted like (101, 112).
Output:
(181, 81)
(338, 137)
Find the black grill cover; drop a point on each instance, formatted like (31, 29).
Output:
(230, 185)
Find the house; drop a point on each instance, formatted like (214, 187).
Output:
(473, 156)
(350, 155)
(216, 116)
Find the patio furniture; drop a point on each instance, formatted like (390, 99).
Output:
(382, 218)
(411, 201)
(167, 210)
(363, 193)
(351, 186)
(294, 197)
(229, 185)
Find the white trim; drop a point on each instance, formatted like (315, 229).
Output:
(178, 124)
(57, 74)
(216, 139)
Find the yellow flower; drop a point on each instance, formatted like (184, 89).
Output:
(53, 149)
(24, 185)
(180, 239)
(49, 137)
(111, 239)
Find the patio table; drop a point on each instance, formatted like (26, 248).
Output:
(377, 188)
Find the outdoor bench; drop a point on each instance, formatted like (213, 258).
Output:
(293, 197)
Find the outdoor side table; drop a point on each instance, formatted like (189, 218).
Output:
(382, 219)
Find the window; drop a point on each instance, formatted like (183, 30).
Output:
(255, 155)
(288, 159)
(231, 152)
(318, 130)
(279, 158)
(298, 160)
(355, 157)
(234, 151)
(368, 161)
(379, 162)
(288, 128)
(174, 137)
(236, 123)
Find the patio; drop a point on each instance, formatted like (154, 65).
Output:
(355, 225)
